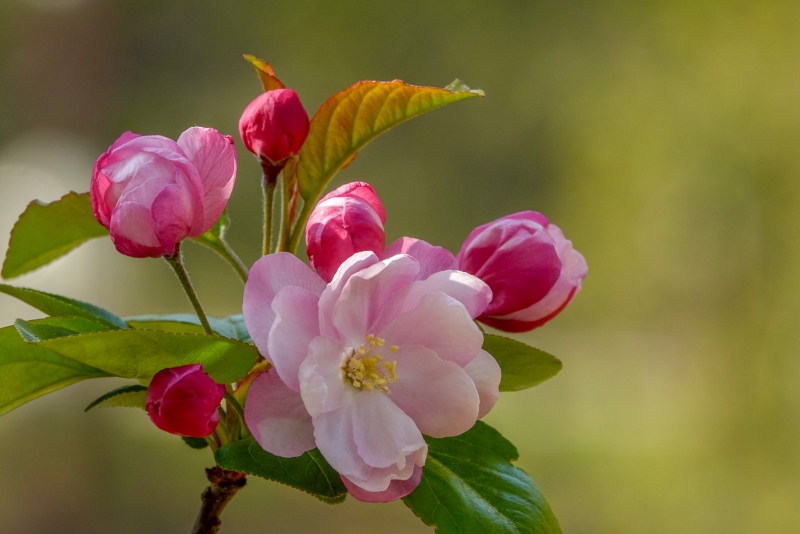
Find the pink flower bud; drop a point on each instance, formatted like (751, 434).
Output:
(530, 266)
(184, 400)
(152, 192)
(347, 220)
(274, 126)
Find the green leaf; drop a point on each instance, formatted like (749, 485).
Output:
(57, 305)
(232, 326)
(53, 327)
(522, 366)
(309, 472)
(29, 370)
(45, 232)
(470, 486)
(132, 396)
(139, 354)
(350, 119)
(195, 443)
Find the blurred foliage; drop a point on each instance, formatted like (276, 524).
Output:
(660, 136)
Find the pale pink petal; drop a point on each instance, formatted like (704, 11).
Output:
(277, 418)
(294, 327)
(431, 259)
(439, 396)
(397, 488)
(485, 372)
(333, 291)
(335, 436)
(469, 290)
(439, 323)
(269, 275)
(321, 383)
(383, 434)
(359, 310)
(214, 157)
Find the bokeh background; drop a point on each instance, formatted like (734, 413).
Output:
(662, 137)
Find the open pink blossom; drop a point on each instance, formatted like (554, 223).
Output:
(366, 364)
(347, 220)
(183, 400)
(531, 267)
(152, 192)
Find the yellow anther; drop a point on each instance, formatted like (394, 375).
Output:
(394, 348)
(370, 337)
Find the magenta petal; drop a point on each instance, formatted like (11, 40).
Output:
(397, 488)
(439, 396)
(296, 324)
(361, 190)
(431, 259)
(214, 157)
(172, 213)
(269, 275)
(183, 400)
(485, 372)
(277, 418)
(132, 231)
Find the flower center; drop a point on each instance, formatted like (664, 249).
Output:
(366, 368)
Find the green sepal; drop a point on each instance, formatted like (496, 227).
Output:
(195, 443)
(521, 365)
(29, 370)
(52, 304)
(140, 354)
(132, 396)
(309, 472)
(470, 486)
(45, 232)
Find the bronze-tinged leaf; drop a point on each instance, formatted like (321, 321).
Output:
(265, 73)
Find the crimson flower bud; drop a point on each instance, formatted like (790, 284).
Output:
(184, 400)
(347, 220)
(530, 266)
(152, 192)
(274, 126)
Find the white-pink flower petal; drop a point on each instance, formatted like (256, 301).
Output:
(269, 275)
(485, 373)
(277, 417)
(439, 396)
(294, 328)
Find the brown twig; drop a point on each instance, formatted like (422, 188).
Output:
(224, 485)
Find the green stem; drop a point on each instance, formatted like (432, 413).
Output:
(175, 261)
(300, 225)
(286, 198)
(268, 187)
(231, 257)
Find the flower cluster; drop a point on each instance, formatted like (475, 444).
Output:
(370, 347)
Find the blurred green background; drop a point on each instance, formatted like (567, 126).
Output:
(662, 137)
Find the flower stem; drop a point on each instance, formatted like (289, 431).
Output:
(175, 261)
(269, 182)
(285, 229)
(231, 257)
(224, 485)
(300, 225)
